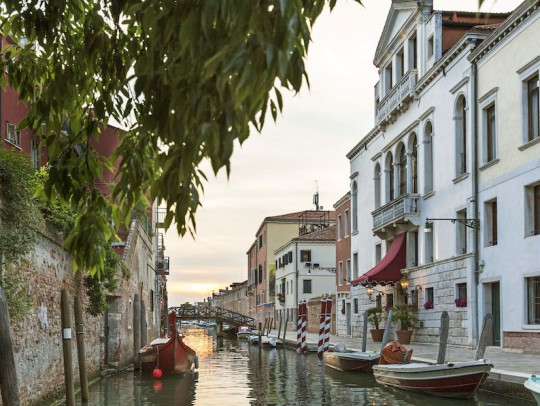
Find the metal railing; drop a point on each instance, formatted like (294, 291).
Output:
(218, 314)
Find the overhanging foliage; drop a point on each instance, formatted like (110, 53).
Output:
(187, 78)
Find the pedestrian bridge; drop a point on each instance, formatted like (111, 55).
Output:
(218, 314)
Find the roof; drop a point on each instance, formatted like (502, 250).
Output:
(299, 217)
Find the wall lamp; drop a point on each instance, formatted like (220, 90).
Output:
(404, 283)
(370, 290)
(472, 223)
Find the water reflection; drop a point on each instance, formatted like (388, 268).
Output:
(232, 372)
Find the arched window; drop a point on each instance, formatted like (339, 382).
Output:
(461, 136)
(354, 198)
(402, 170)
(377, 185)
(428, 158)
(389, 178)
(414, 164)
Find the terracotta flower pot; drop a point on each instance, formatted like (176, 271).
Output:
(377, 334)
(404, 336)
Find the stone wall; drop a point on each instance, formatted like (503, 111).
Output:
(37, 339)
(521, 340)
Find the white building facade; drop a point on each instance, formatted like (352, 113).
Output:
(413, 214)
(306, 267)
(508, 66)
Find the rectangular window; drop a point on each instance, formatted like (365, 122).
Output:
(388, 79)
(305, 256)
(355, 303)
(355, 265)
(13, 135)
(348, 271)
(378, 253)
(490, 133)
(346, 224)
(461, 295)
(34, 154)
(260, 241)
(532, 210)
(339, 227)
(430, 47)
(151, 300)
(428, 244)
(389, 301)
(533, 300)
(461, 233)
(533, 116)
(290, 257)
(429, 295)
(494, 227)
(340, 273)
(260, 274)
(307, 285)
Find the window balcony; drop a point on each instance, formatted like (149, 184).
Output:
(397, 100)
(401, 214)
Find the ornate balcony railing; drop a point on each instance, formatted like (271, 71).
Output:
(396, 210)
(397, 100)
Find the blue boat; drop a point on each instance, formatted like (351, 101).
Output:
(533, 384)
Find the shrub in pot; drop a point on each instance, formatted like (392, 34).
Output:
(407, 317)
(375, 319)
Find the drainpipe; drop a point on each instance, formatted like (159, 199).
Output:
(476, 230)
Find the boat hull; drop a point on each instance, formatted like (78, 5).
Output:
(170, 354)
(533, 384)
(454, 380)
(351, 362)
(163, 356)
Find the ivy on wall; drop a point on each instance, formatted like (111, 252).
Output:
(23, 211)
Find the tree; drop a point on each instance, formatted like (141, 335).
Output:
(186, 78)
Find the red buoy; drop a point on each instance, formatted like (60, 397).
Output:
(158, 373)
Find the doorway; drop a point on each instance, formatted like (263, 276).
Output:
(113, 319)
(492, 304)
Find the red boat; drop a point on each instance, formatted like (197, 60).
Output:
(454, 380)
(170, 354)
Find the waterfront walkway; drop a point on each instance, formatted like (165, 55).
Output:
(509, 366)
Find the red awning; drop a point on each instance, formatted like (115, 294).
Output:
(388, 271)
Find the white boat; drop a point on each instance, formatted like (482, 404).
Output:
(454, 380)
(533, 384)
(245, 332)
(269, 340)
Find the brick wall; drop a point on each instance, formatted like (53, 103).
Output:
(37, 339)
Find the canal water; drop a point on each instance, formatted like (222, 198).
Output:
(232, 372)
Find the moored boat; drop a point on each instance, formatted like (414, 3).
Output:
(533, 384)
(354, 361)
(170, 354)
(455, 380)
(245, 332)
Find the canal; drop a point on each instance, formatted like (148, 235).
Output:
(232, 372)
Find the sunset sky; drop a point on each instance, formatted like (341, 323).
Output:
(277, 171)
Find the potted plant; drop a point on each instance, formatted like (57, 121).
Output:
(406, 315)
(461, 302)
(375, 317)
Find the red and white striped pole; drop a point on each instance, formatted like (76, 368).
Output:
(304, 320)
(299, 329)
(322, 325)
(328, 323)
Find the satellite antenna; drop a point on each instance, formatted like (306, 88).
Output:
(316, 197)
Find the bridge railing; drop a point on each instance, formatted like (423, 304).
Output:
(213, 313)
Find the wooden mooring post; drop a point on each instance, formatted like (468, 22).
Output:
(484, 336)
(81, 352)
(8, 373)
(260, 334)
(364, 332)
(443, 338)
(285, 328)
(66, 345)
(279, 328)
